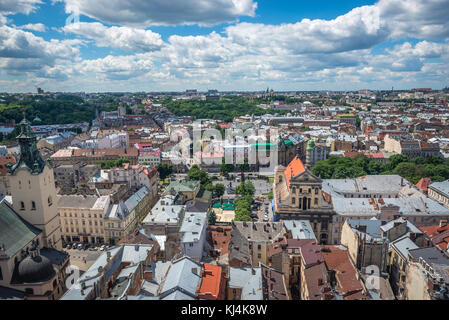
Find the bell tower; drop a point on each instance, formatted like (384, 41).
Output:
(33, 188)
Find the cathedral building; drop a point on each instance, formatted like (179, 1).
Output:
(31, 263)
(298, 195)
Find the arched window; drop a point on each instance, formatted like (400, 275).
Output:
(33, 205)
(22, 205)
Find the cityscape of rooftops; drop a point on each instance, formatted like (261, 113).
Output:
(224, 150)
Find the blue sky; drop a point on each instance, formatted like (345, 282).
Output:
(153, 45)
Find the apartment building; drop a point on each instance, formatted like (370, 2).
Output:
(123, 217)
(82, 217)
(439, 191)
(94, 156)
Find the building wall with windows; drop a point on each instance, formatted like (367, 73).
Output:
(82, 217)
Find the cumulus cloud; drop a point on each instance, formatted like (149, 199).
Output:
(422, 19)
(163, 12)
(116, 67)
(359, 29)
(34, 27)
(309, 54)
(22, 51)
(125, 38)
(18, 6)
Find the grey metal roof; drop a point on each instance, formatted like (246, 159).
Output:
(407, 206)
(300, 229)
(410, 226)
(184, 276)
(432, 255)
(372, 226)
(125, 253)
(249, 280)
(442, 187)
(15, 232)
(165, 211)
(404, 245)
(192, 226)
(136, 198)
(76, 201)
(379, 184)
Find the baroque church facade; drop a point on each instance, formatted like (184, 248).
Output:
(298, 195)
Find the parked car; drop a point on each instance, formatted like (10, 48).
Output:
(69, 246)
(102, 248)
(79, 246)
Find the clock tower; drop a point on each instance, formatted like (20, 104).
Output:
(33, 188)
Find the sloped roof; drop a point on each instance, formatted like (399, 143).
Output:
(294, 168)
(211, 281)
(424, 183)
(15, 232)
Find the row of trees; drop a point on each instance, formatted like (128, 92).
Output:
(244, 203)
(413, 169)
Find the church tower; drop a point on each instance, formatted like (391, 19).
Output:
(33, 188)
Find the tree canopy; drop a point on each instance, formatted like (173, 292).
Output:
(225, 109)
(413, 169)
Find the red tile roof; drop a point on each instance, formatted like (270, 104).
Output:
(212, 283)
(438, 234)
(338, 260)
(424, 183)
(294, 168)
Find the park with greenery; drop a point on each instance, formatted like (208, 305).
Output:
(413, 169)
(225, 109)
(61, 109)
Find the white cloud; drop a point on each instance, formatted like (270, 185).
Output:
(18, 6)
(359, 29)
(34, 27)
(125, 38)
(163, 12)
(116, 67)
(309, 54)
(422, 19)
(22, 51)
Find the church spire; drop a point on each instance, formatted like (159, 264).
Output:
(29, 154)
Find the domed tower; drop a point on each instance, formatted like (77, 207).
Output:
(35, 268)
(310, 153)
(33, 188)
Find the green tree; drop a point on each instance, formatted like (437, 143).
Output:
(246, 189)
(219, 189)
(199, 175)
(165, 170)
(212, 218)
